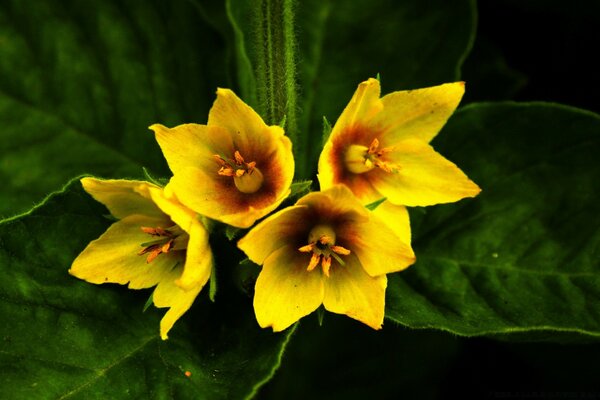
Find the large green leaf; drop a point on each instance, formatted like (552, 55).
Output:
(80, 82)
(344, 43)
(523, 257)
(65, 338)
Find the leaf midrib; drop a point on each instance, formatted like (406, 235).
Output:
(102, 371)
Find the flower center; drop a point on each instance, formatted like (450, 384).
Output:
(246, 177)
(360, 159)
(166, 240)
(321, 243)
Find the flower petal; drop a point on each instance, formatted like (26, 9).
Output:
(193, 145)
(363, 106)
(239, 119)
(417, 114)
(335, 203)
(425, 177)
(280, 229)
(396, 218)
(180, 214)
(285, 291)
(198, 260)
(377, 246)
(113, 257)
(122, 197)
(351, 291)
(168, 294)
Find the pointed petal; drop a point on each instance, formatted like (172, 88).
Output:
(168, 294)
(363, 106)
(396, 218)
(287, 226)
(285, 291)
(351, 291)
(113, 257)
(192, 145)
(198, 260)
(378, 248)
(122, 197)
(417, 114)
(425, 177)
(239, 119)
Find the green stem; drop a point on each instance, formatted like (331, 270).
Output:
(275, 64)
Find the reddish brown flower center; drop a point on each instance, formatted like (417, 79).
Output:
(360, 159)
(166, 240)
(321, 243)
(246, 176)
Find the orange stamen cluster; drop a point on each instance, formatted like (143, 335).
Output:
(159, 246)
(323, 248)
(235, 167)
(373, 154)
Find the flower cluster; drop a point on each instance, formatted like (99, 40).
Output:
(327, 249)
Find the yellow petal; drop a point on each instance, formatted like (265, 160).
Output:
(363, 106)
(282, 228)
(242, 122)
(192, 145)
(113, 257)
(377, 246)
(351, 291)
(216, 197)
(285, 291)
(168, 294)
(424, 178)
(334, 202)
(122, 197)
(198, 261)
(396, 218)
(180, 214)
(417, 114)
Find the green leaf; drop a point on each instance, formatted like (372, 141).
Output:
(523, 256)
(372, 206)
(300, 188)
(344, 43)
(80, 82)
(70, 339)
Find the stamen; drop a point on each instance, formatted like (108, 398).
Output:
(247, 178)
(238, 158)
(340, 250)
(360, 159)
(322, 245)
(306, 249)
(314, 261)
(165, 244)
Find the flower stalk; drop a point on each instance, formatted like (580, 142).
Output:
(275, 65)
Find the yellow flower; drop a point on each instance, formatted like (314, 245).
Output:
(379, 148)
(155, 242)
(235, 169)
(326, 249)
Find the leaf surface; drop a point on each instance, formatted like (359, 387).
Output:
(524, 256)
(67, 339)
